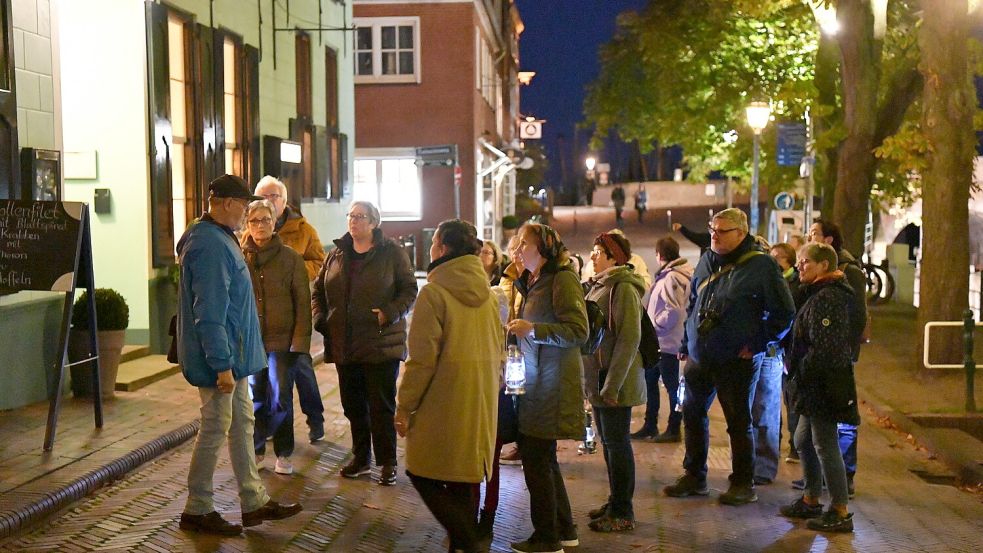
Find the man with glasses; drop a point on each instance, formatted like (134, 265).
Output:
(219, 345)
(739, 304)
(297, 234)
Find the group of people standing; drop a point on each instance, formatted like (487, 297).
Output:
(244, 321)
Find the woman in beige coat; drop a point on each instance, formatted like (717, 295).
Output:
(447, 404)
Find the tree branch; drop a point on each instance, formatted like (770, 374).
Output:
(906, 85)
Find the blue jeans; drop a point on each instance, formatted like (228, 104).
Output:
(302, 372)
(847, 434)
(819, 452)
(793, 417)
(668, 369)
(612, 424)
(766, 415)
(273, 403)
(734, 382)
(224, 415)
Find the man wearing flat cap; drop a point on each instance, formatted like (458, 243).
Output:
(219, 345)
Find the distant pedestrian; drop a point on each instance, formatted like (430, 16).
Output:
(667, 304)
(641, 201)
(447, 405)
(218, 346)
(283, 300)
(613, 376)
(826, 232)
(738, 305)
(551, 326)
(618, 200)
(296, 233)
(591, 187)
(824, 389)
(362, 296)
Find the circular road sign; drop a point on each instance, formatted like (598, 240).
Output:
(784, 200)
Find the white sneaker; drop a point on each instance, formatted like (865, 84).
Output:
(283, 466)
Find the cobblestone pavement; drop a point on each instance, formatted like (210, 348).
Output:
(895, 510)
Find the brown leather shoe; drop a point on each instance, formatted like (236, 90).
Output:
(271, 511)
(211, 523)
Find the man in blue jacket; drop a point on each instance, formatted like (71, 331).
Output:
(219, 345)
(739, 304)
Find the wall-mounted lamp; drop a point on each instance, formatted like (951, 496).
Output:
(291, 152)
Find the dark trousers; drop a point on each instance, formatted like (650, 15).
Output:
(493, 484)
(548, 501)
(668, 369)
(793, 417)
(453, 504)
(612, 424)
(307, 391)
(368, 397)
(733, 381)
(273, 404)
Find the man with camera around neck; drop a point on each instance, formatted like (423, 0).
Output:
(739, 304)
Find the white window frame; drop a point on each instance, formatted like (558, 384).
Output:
(376, 24)
(378, 155)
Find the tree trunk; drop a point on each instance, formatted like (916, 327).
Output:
(949, 101)
(860, 70)
(827, 73)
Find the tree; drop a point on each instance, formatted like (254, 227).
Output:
(949, 103)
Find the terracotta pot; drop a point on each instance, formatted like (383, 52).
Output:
(110, 350)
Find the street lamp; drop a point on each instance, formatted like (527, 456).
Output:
(590, 162)
(757, 118)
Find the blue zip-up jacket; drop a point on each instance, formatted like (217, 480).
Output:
(751, 304)
(217, 325)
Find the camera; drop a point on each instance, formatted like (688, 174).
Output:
(709, 320)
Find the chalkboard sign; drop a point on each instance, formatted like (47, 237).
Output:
(39, 245)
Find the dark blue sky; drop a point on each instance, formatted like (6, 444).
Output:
(560, 44)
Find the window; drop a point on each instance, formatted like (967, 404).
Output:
(387, 50)
(182, 155)
(234, 161)
(302, 59)
(485, 71)
(390, 179)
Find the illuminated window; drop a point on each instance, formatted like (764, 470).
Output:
(387, 50)
(391, 181)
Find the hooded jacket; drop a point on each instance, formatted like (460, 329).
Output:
(667, 303)
(552, 407)
(450, 385)
(617, 357)
(855, 277)
(297, 234)
(283, 296)
(749, 306)
(821, 367)
(342, 303)
(217, 324)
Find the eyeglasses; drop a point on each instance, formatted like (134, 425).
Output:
(719, 231)
(263, 221)
(358, 216)
(271, 197)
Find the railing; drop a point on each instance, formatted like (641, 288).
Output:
(969, 364)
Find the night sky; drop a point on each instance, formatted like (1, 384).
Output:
(560, 43)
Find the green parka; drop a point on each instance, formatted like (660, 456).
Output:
(618, 353)
(450, 386)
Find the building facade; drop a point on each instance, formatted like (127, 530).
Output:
(145, 102)
(429, 74)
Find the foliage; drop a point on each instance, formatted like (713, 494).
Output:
(112, 312)
(510, 222)
(534, 176)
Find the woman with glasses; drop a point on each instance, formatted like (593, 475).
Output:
(551, 325)
(362, 294)
(282, 299)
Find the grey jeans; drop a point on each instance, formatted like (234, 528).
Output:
(819, 452)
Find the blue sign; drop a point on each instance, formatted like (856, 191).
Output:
(784, 200)
(791, 144)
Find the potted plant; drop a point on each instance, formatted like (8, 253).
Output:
(112, 318)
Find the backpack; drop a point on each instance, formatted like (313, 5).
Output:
(595, 328)
(648, 345)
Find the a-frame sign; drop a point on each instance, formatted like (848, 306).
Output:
(48, 246)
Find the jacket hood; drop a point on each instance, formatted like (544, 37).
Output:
(196, 228)
(617, 275)
(679, 265)
(845, 257)
(347, 243)
(464, 278)
(261, 255)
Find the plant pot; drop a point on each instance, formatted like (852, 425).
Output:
(110, 350)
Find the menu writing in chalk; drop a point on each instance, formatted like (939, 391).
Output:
(38, 245)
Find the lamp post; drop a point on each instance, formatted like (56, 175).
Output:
(590, 163)
(757, 118)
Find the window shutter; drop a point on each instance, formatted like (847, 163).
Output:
(250, 143)
(161, 213)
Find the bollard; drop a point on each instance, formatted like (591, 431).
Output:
(969, 326)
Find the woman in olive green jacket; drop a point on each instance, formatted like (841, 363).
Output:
(551, 326)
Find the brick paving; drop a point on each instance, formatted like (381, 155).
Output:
(895, 510)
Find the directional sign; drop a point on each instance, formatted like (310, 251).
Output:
(443, 156)
(791, 144)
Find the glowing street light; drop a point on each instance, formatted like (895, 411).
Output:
(758, 114)
(590, 162)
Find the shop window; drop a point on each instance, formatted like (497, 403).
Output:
(387, 50)
(390, 180)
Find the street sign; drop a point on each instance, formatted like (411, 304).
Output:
(458, 176)
(441, 156)
(791, 144)
(531, 129)
(784, 200)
